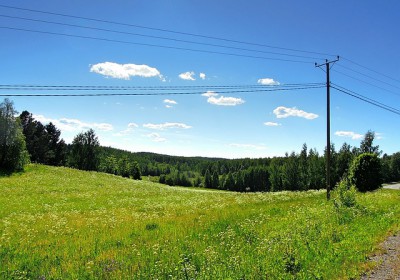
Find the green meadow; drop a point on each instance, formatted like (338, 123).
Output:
(60, 223)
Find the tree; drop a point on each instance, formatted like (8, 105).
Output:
(316, 167)
(276, 174)
(207, 179)
(395, 166)
(134, 171)
(345, 157)
(229, 182)
(56, 147)
(85, 151)
(43, 141)
(13, 153)
(365, 172)
(366, 145)
(215, 180)
(291, 172)
(304, 182)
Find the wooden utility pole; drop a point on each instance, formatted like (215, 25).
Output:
(328, 125)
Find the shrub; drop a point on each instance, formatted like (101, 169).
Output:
(365, 172)
(345, 194)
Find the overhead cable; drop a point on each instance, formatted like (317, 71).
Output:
(163, 30)
(159, 93)
(149, 88)
(157, 37)
(370, 69)
(151, 45)
(366, 99)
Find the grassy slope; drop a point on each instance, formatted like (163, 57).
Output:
(69, 224)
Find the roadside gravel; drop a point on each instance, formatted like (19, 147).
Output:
(388, 262)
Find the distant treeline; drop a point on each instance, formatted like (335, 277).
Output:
(295, 171)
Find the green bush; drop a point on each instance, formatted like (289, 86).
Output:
(345, 195)
(365, 172)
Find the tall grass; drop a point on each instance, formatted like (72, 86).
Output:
(59, 223)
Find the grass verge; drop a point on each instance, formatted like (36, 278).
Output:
(64, 223)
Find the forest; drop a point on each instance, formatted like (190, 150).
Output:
(303, 170)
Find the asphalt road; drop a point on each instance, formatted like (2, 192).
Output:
(392, 186)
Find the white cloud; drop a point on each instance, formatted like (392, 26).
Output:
(222, 100)
(187, 76)
(349, 134)
(202, 76)
(130, 128)
(272, 124)
(169, 101)
(68, 125)
(268, 82)
(155, 137)
(167, 125)
(284, 112)
(209, 94)
(225, 101)
(248, 146)
(125, 71)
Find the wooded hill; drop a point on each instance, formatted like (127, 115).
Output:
(295, 171)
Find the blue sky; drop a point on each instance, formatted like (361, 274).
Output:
(212, 123)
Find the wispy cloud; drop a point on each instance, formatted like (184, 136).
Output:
(155, 137)
(202, 76)
(166, 125)
(272, 124)
(285, 112)
(169, 103)
(187, 76)
(129, 129)
(268, 82)
(125, 71)
(209, 94)
(71, 125)
(225, 101)
(248, 146)
(349, 134)
(222, 100)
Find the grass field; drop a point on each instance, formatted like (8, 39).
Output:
(60, 223)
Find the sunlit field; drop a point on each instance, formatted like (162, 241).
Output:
(60, 223)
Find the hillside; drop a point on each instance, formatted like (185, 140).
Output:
(65, 223)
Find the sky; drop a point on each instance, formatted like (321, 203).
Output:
(227, 54)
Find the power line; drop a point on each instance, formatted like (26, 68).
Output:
(365, 82)
(366, 99)
(372, 70)
(156, 37)
(160, 93)
(368, 76)
(164, 30)
(149, 88)
(150, 45)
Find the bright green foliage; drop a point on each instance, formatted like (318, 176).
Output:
(345, 194)
(13, 153)
(84, 152)
(366, 145)
(365, 172)
(60, 223)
